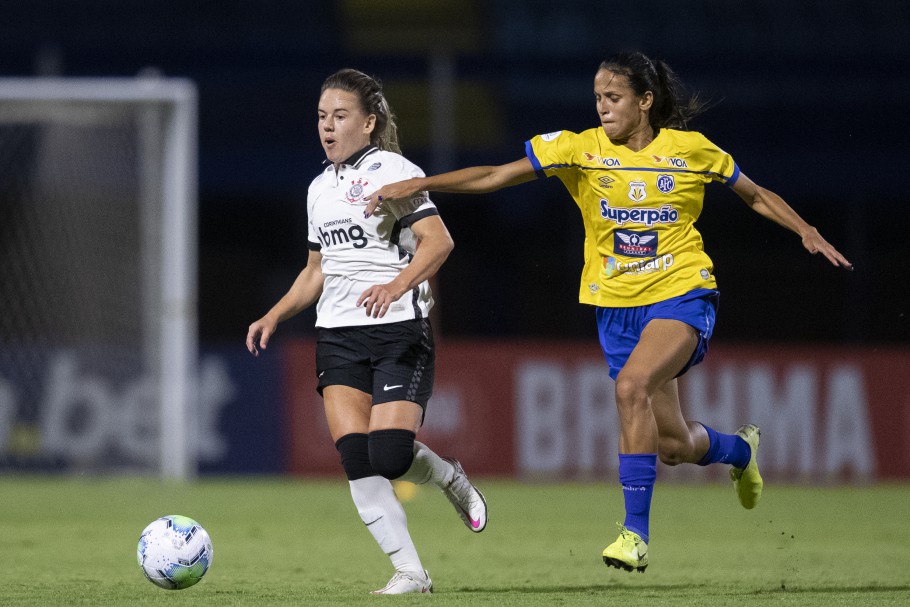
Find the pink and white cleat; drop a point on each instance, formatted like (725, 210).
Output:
(467, 499)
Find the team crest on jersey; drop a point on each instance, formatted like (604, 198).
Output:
(354, 194)
(374, 166)
(635, 244)
(637, 191)
(666, 183)
(551, 136)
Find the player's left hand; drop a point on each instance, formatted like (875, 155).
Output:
(815, 244)
(376, 300)
(390, 191)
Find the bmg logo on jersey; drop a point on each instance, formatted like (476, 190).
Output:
(333, 236)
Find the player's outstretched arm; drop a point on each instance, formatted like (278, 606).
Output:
(472, 180)
(303, 293)
(435, 246)
(768, 204)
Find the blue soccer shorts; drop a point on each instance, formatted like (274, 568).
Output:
(619, 329)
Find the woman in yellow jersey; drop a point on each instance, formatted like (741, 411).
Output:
(639, 180)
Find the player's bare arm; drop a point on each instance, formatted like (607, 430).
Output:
(472, 180)
(435, 246)
(768, 204)
(303, 293)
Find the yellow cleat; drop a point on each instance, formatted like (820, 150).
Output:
(628, 552)
(747, 481)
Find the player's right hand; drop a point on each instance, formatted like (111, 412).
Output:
(260, 330)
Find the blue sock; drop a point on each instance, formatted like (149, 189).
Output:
(726, 449)
(637, 473)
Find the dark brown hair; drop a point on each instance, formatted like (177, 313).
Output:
(372, 101)
(672, 107)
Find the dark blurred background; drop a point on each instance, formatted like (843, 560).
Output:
(809, 97)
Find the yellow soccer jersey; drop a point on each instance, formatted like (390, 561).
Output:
(639, 210)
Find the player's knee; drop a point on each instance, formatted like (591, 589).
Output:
(630, 390)
(391, 452)
(355, 456)
(669, 457)
(673, 452)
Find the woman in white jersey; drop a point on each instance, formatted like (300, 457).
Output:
(638, 179)
(374, 352)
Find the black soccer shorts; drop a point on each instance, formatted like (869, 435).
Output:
(393, 361)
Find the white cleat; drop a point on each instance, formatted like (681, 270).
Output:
(467, 499)
(405, 582)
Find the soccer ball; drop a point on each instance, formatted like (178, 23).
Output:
(174, 552)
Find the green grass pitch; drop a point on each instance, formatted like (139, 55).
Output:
(72, 541)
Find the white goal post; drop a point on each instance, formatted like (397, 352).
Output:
(153, 174)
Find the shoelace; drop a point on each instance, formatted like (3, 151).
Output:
(627, 536)
(461, 488)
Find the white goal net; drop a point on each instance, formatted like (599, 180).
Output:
(98, 338)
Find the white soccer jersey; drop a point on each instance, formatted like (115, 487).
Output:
(359, 252)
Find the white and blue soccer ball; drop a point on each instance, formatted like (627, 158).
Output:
(174, 552)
